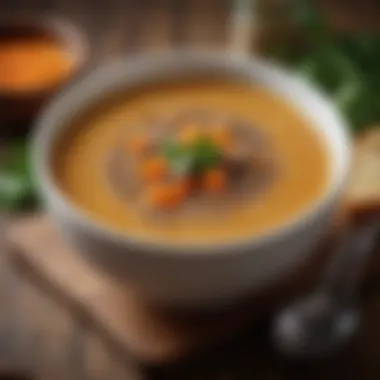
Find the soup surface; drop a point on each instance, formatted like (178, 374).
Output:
(199, 161)
(32, 63)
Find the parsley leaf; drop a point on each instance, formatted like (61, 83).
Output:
(206, 155)
(16, 183)
(196, 158)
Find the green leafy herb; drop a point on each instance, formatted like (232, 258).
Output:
(329, 67)
(183, 165)
(173, 149)
(16, 183)
(196, 158)
(206, 155)
(345, 66)
(13, 190)
(179, 156)
(310, 18)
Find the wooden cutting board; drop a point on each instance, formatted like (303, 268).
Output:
(149, 335)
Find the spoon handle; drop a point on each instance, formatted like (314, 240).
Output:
(242, 26)
(343, 275)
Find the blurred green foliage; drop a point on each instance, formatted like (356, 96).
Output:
(16, 183)
(345, 66)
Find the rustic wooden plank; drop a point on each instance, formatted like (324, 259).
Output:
(118, 28)
(44, 5)
(117, 314)
(101, 364)
(66, 349)
(99, 27)
(134, 25)
(76, 11)
(9, 349)
(351, 15)
(98, 362)
(157, 30)
(128, 325)
(178, 11)
(204, 26)
(19, 6)
(48, 342)
(8, 6)
(42, 341)
(55, 345)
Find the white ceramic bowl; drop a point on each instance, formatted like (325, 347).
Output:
(198, 275)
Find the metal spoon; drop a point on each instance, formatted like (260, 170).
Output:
(327, 318)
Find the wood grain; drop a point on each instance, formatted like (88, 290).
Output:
(157, 31)
(119, 316)
(205, 23)
(122, 318)
(40, 337)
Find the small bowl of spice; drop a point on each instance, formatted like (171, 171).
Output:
(38, 56)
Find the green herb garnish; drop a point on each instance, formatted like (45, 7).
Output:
(206, 155)
(195, 158)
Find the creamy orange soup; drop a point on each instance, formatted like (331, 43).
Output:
(32, 63)
(300, 151)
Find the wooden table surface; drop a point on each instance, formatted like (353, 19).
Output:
(119, 26)
(40, 335)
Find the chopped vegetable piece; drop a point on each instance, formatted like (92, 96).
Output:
(155, 169)
(206, 154)
(202, 155)
(222, 138)
(179, 157)
(189, 134)
(139, 145)
(166, 195)
(173, 149)
(182, 166)
(215, 180)
(185, 187)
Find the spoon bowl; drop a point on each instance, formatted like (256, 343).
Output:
(325, 320)
(314, 326)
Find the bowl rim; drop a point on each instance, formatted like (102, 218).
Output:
(49, 190)
(63, 30)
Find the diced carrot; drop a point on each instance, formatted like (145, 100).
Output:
(159, 196)
(166, 195)
(214, 180)
(222, 138)
(189, 134)
(139, 145)
(184, 187)
(154, 169)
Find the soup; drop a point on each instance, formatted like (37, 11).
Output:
(32, 63)
(195, 161)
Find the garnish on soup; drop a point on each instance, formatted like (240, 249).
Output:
(192, 160)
